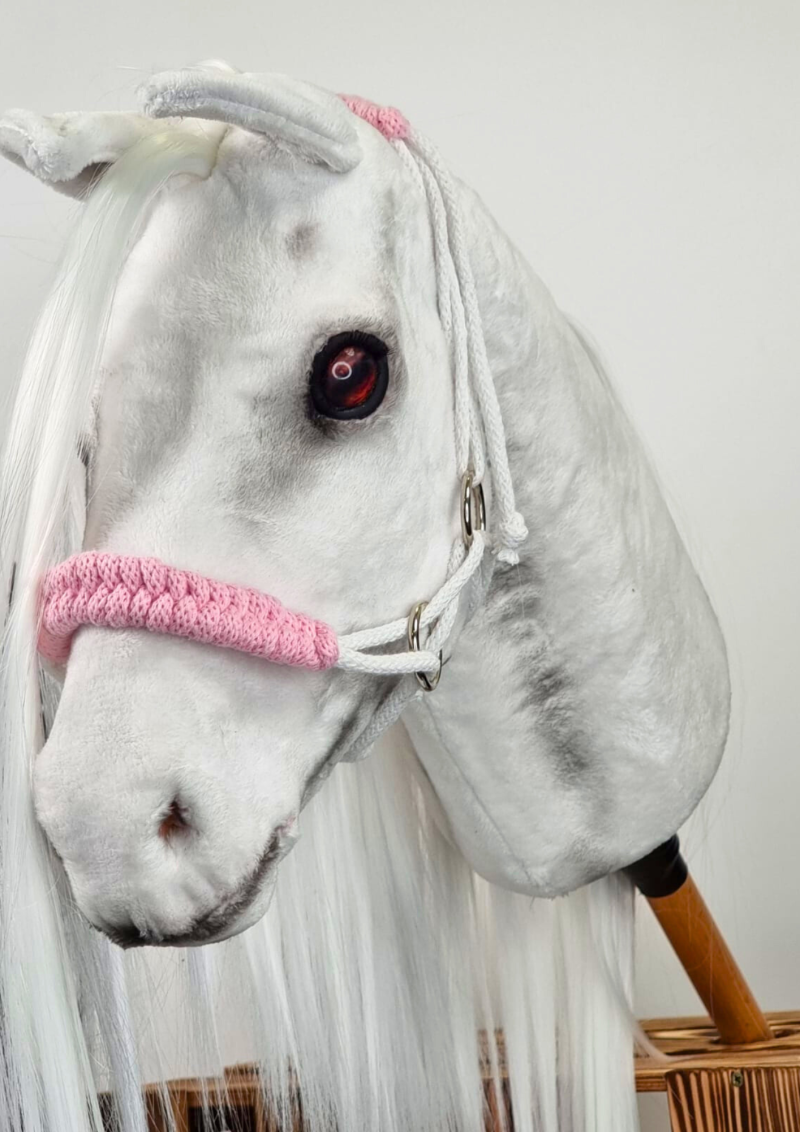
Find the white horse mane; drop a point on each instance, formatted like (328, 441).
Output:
(45, 1060)
(371, 976)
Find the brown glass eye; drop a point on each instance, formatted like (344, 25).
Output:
(349, 376)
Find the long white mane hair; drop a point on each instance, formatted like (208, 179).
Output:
(383, 958)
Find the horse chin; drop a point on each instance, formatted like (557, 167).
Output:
(220, 920)
(198, 937)
(170, 786)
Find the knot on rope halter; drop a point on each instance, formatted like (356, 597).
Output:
(512, 533)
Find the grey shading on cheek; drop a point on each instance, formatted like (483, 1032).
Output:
(214, 922)
(359, 717)
(363, 698)
(158, 437)
(147, 426)
(302, 241)
(545, 696)
(513, 603)
(273, 464)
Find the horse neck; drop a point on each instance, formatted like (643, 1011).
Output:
(584, 708)
(472, 724)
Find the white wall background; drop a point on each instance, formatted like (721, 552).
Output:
(647, 159)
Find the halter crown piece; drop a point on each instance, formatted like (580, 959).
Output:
(117, 591)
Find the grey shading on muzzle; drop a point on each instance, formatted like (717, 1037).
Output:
(212, 924)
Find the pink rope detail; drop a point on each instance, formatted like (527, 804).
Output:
(390, 122)
(123, 592)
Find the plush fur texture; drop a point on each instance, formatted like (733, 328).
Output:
(304, 118)
(203, 454)
(599, 690)
(578, 721)
(45, 1069)
(69, 151)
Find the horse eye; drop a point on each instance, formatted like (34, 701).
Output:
(349, 376)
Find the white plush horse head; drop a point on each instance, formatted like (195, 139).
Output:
(269, 362)
(174, 775)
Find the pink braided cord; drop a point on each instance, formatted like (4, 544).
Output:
(390, 122)
(122, 592)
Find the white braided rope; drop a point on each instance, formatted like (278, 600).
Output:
(388, 664)
(512, 531)
(451, 309)
(384, 717)
(479, 433)
(442, 609)
(449, 592)
(408, 690)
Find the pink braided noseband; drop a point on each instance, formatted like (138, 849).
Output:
(388, 121)
(121, 592)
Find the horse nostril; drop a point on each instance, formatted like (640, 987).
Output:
(174, 822)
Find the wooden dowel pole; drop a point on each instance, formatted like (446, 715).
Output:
(664, 880)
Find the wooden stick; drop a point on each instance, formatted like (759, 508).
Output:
(664, 880)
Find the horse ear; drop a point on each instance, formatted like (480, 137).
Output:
(67, 151)
(307, 120)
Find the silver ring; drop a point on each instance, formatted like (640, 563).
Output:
(425, 681)
(473, 508)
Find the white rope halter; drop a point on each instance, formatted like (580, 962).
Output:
(480, 449)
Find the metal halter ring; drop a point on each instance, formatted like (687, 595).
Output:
(473, 508)
(425, 681)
